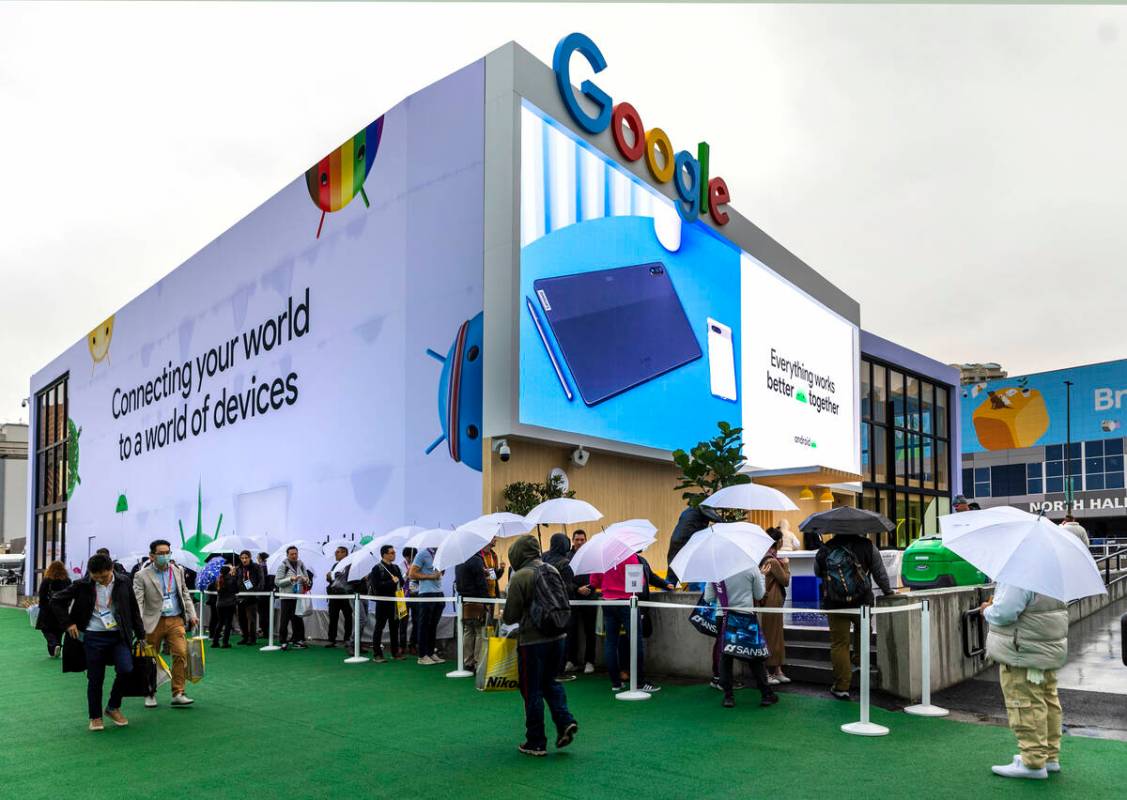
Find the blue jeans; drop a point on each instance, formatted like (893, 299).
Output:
(538, 665)
(102, 649)
(615, 620)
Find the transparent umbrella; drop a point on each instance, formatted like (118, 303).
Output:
(459, 546)
(432, 537)
(276, 558)
(752, 497)
(721, 551)
(605, 551)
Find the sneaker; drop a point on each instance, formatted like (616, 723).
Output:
(118, 718)
(300, 646)
(715, 684)
(649, 688)
(588, 668)
(567, 735)
(773, 681)
(96, 725)
(380, 660)
(151, 701)
(839, 695)
(769, 699)
(437, 660)
(565, 678)
(285, 646)
(533, 750)
(1050, 766)
(181, 700)
(569, 667)
(729, 701)
(781, 678)
(617, 687)
(426, 661)
(1016, 769)
(56, 651)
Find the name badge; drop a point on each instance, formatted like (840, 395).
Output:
(108, 619)
(167, 606)
(491, 574)
(248, 584)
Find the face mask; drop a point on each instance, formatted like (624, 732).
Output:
(162, 560)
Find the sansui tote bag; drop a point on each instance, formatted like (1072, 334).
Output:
(703, 617)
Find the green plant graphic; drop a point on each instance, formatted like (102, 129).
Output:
(199, 540)
(73, 432)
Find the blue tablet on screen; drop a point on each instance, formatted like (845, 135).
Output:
(617, 328)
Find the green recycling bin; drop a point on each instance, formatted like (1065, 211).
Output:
(927, 564)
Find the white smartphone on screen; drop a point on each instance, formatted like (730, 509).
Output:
(721, 360)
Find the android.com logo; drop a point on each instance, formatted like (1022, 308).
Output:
(805, 441)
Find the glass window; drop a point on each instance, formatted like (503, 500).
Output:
(1033, 470)
(930, 516)
(866, 456)
(1054, 452)
(1054, 469)
(1074, 451)
(866, 406)
(1113, 463)
(1093, 448)
(1093, 465)
(1113, 447)
(981, 474)
(896, 393)
(927, 470)
(927, 407)
(1035, 485)
(1095, 481)
(941, 466)
(1076, 467)
(912, 402)
(915, 461)
(968, 482)
(1054, 485)
(880, 394)
(1113, 480)
(982, 489)
(901, 458)
(880, 454)
(941, 411)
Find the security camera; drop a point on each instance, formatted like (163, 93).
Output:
(501, 446)
(579, 456)
(23, 403)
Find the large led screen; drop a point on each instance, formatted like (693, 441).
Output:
(639, 328)
(315, 372)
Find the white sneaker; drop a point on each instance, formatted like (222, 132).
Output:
(1017, 769)
(589, 668)
(773, 681)
(1050, 766)
(151, 701)
(437, 660)
(569, 667)
(781, 678)
(181, 700)
(426, 661)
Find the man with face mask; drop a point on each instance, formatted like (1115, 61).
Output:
(162, 595)
(101, 611)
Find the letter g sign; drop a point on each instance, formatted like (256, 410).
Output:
(561, 64)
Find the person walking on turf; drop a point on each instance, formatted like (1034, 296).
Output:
(249, 579)
(538, 601)
(292, 578)
(162, 595)
(1028, 639)
(55, 579)
(100, 609)
(847, 565)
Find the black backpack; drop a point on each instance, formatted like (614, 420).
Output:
(846, 581)
(550, 610)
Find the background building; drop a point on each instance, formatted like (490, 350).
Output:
(1047, 440)
(976, 373)
(13, 486)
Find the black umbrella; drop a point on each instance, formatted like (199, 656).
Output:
(845, 520)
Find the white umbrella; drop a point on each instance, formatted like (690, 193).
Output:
(1023, 550)
(130, 559)
(721, 551)
(605, 551)
(750, 496)
(563, 511)
(499, 523)
(363, 560)
(635, 524)
(329, 548)
(233, 544)
(279, 555)
(398, 536)
(185, 558)
(432, 537)
(460, 545)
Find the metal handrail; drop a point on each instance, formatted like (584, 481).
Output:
(973, 646)
(1107, 569)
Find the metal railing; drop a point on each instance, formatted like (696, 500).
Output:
(1106, 560)
(973, 632)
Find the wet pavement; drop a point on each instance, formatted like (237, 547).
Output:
(1095, 660)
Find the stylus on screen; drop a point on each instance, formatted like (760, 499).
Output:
(548, 347)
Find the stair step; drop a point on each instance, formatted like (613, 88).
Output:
(816, 672)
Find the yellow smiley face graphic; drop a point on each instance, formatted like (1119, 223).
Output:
(98, 340)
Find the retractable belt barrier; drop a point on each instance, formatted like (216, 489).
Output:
(863, 727)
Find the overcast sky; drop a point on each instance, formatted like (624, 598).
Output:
(958, 170)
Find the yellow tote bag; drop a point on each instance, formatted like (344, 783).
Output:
(400, 604)
(497, 672)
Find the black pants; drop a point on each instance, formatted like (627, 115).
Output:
(52, 638)
(102, 649)
(290, 616)
(225, 620)
(386, 614)
(248, 620)
(336, 608)
(264, 612)
(537, 666)
(429, 616)
(758, 673)
(582, 619)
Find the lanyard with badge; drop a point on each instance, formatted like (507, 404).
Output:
(106, 614)
(167, 604)
(248, 584)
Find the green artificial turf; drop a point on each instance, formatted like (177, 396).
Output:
(305, 725)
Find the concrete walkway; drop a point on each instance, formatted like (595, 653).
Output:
(1095, 662)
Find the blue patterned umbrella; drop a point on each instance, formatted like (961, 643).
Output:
(210, 573)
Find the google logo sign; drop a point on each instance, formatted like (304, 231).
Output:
(689, 175)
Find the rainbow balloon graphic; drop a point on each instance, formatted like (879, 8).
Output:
(340, 176)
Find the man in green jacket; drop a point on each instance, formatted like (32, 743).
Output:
(1029, 640)
(539, 655)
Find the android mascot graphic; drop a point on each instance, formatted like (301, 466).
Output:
(459, 395)
(98, 342)
(73, 432)
(340, 176)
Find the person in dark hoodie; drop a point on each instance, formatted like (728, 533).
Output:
(100, 610)
(55, 579)
(227, 588)
(691, 520)
(471, 581)
(559, 556)
(539, 654)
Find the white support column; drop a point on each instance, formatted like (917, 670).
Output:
(270, 646)
(865, 727)
(924, 708)
(461, 671)
(355, 658)
(633, 693)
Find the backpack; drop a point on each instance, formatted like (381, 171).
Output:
(550, 610)
(846, 581)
